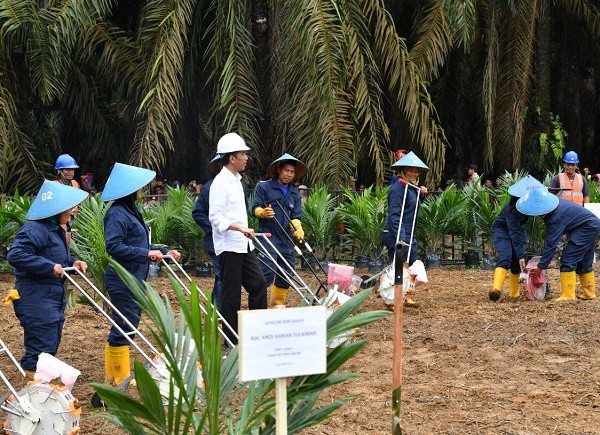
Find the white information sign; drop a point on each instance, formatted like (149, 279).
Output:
(594, 207)
(282, 342)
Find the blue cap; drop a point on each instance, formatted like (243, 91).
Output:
(537, 202)
(65, 161)
(523, 186)
(411, 161)
(300, 167)
(571, 157)
(124, 180)
(54, 198)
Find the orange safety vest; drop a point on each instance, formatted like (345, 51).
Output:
(571, 190)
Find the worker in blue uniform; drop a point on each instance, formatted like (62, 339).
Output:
(583, 227)
(200, 215)
(278, 207)
(38, 254)
(409, 167)
(127, 241)
(509, 238)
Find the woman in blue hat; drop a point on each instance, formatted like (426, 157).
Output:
(583, 227)
(404, 199)
(127, 241)
(38, 256)
(509, 238)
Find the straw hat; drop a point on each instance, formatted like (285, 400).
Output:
(300, 167)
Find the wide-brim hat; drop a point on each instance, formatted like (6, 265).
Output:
(411, 160)
(300, 167)
(54, 198)
(537, 202)
(124, 180)
(523, 186)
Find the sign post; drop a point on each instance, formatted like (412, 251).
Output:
(397, 348)
(275, 344)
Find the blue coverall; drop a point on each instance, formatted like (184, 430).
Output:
(200, 215)
(287, 206)
(509, 237)
(38, 247)
(390, 230)
(582, 228)
(127, 241)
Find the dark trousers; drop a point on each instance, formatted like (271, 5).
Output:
(124, 301)
(216, 294)
(240, 270)
(507, 257)
(578, 254)
(40, 339)
(41, 313)
(270, 269)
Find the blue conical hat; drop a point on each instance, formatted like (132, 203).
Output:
(537, 202)
(124, 180)
(411, 160)
(54, 198)
(523, 186)
(300, 167)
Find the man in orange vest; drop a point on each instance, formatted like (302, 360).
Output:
(65, 166)
(570, 184)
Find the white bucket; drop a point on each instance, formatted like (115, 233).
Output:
(50, 367)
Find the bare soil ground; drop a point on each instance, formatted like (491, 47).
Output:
(470, 366)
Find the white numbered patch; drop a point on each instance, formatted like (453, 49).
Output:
(46, 196)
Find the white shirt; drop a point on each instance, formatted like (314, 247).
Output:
(226, 206)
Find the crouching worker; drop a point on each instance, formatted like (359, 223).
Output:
(508, 235)
(582, 226)
(38, 256)
(128, 242)
(278, 207)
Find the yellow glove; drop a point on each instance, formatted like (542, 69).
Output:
(264, 213)
(296, 227)
(11, 295)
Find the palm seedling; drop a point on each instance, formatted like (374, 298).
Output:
(88, 243)
(319, 219)
(364, 216)
(172, 224)
(439, 217)
(12, 217)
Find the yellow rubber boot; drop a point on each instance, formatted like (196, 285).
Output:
(278, 295)
(499, 277)
(118, 363)
(29, 376)
(588, 282)
(514, 288)
(568, 284)
(109, 373)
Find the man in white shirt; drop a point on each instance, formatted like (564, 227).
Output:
(472, 174)
(231, 236)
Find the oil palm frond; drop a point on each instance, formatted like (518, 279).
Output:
(162, 39)
(232, 75)
(406, 86)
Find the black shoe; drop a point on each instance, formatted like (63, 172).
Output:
(97, 402)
